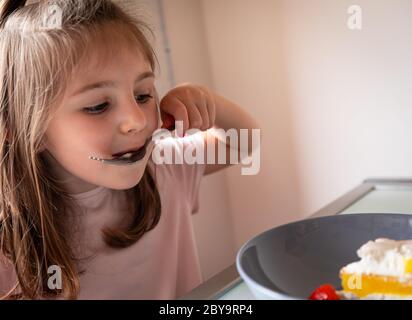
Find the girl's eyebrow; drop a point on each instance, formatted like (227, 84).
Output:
(105, 84)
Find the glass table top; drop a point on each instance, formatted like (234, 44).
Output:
(383, 201)
(239, 292)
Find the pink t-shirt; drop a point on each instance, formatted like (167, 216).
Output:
(164, 263)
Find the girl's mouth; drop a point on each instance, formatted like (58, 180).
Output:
(127, 158)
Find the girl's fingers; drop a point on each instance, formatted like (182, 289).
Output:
(177, 109)
(211, 107)
(203, 110)
(195, 117)
(196, 108)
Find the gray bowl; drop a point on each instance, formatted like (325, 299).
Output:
(290, 261)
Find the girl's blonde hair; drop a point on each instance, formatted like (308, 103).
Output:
(35, 65)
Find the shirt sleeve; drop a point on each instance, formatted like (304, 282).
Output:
(189, 172)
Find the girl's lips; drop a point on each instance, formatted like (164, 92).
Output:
(132, 150)
(133, 158)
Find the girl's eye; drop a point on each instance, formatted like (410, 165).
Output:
(144, 98)
(97, 109)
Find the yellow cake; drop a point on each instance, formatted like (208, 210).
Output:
(384, 271)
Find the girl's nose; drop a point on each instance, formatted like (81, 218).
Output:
(132, 118)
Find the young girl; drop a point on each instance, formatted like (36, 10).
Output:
(78, 219)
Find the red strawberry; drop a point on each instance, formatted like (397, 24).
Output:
(168, 122)
(324, 292)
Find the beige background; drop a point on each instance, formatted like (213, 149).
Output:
(334, 104)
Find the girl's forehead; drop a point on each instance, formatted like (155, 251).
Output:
(98, 62)
(110, 46)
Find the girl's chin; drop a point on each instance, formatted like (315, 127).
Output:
(125, 183)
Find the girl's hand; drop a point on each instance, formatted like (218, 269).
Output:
(192, 104)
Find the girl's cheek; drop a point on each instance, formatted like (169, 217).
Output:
(154, 118)
(97, 137)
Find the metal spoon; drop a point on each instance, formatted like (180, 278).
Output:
(168, 123)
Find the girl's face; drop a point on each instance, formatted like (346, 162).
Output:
(103, 120)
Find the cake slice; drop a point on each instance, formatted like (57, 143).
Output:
(383, 272)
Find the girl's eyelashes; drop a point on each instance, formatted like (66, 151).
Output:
(146, 98)
(97, 109)
(141, 99)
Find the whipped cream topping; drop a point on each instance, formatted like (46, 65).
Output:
(384, 257)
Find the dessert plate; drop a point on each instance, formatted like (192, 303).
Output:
(290, 261)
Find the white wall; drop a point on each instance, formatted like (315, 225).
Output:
(334, 104)
(244, 39)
